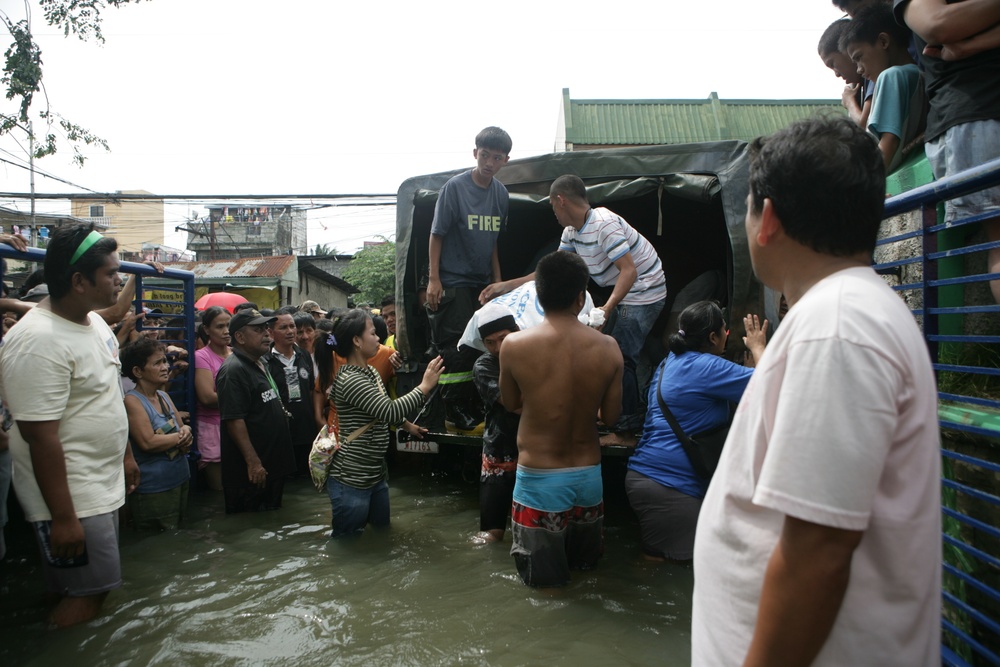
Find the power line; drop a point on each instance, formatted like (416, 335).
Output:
(204, 198)
(28, 195)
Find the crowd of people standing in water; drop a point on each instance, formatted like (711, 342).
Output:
(815, 535)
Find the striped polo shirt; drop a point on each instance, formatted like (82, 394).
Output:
(606, 237)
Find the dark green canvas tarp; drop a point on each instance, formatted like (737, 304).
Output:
(689, 200)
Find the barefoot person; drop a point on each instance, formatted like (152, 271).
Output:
(562, 375)
(72, 465)
(496, 477)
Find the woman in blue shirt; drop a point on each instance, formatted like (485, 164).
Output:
(159, 440)
(697, 385)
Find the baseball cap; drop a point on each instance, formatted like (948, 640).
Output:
(312, 308)
(246, 318)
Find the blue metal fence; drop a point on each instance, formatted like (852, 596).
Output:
(175, 281)
(938, 270)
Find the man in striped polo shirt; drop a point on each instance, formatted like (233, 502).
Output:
(619, 257)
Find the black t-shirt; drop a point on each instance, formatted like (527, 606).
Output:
(246, 393)
(958, 92)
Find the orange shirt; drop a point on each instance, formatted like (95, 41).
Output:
(380, 362)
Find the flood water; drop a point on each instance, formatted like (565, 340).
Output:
(271, 589)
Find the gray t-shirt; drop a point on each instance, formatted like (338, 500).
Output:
(468, 219)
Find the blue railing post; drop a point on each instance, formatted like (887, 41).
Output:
(971, 499)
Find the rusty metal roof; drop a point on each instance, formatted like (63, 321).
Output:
(251, 267)
(653, 122)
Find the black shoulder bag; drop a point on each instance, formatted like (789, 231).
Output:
(703, 449)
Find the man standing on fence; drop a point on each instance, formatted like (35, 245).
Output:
(819, 541)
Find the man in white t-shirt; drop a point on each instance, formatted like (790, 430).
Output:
(60, 371)
(819, 541)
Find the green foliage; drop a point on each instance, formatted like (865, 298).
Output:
(80, 17)
(325, 249)
(373, 271)
(22, 73)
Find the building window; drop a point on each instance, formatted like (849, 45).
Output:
(97, 211)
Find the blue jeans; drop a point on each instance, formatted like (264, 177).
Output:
(354, 508)
(630, 327)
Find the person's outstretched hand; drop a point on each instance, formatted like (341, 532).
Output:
(756, 338)
(431, 375)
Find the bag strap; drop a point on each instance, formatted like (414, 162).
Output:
(167, 411)
(358, 432)
(689, 446)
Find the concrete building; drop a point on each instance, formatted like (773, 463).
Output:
(270, 282)
(234, 231)
(132, 222)
(37, 231)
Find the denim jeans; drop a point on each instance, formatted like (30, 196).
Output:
(629, 327)
(354, 508)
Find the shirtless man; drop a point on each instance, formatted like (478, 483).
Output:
(562, 375)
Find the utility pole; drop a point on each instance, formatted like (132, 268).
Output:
(31, 166)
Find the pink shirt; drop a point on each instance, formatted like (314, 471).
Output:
(208, 417)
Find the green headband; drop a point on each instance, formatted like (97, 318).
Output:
(91, 238)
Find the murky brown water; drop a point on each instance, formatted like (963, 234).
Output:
(271, 589)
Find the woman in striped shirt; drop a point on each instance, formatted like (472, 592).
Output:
(357, 486)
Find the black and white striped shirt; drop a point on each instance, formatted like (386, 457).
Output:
(360, 397)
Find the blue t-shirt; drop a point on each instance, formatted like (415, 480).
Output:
(157, 471)
(697, 387)
(468, 219)
(897, 107)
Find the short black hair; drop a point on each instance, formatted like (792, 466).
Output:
(63, 244)
(569, 185)
(244, 306)
(494, 139)
(137, 354)
(825, 178)
(381, 330)
(559, 279)
(388, 301)
(303, 320)
(35, 278)
(287, 310)
(871, 21)
(829, 41)
(694, 325)
(277, 315)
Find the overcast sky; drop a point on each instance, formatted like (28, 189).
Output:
(319, 96)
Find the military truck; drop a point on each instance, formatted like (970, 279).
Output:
(688, 200)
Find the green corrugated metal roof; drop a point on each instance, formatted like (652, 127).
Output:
(651, 122)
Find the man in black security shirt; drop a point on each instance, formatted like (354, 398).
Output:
(256, 446)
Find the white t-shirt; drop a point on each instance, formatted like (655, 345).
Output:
(838, 426)
(604, 239)
(53, 369)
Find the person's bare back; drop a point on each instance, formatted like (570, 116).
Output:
(562, 375)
